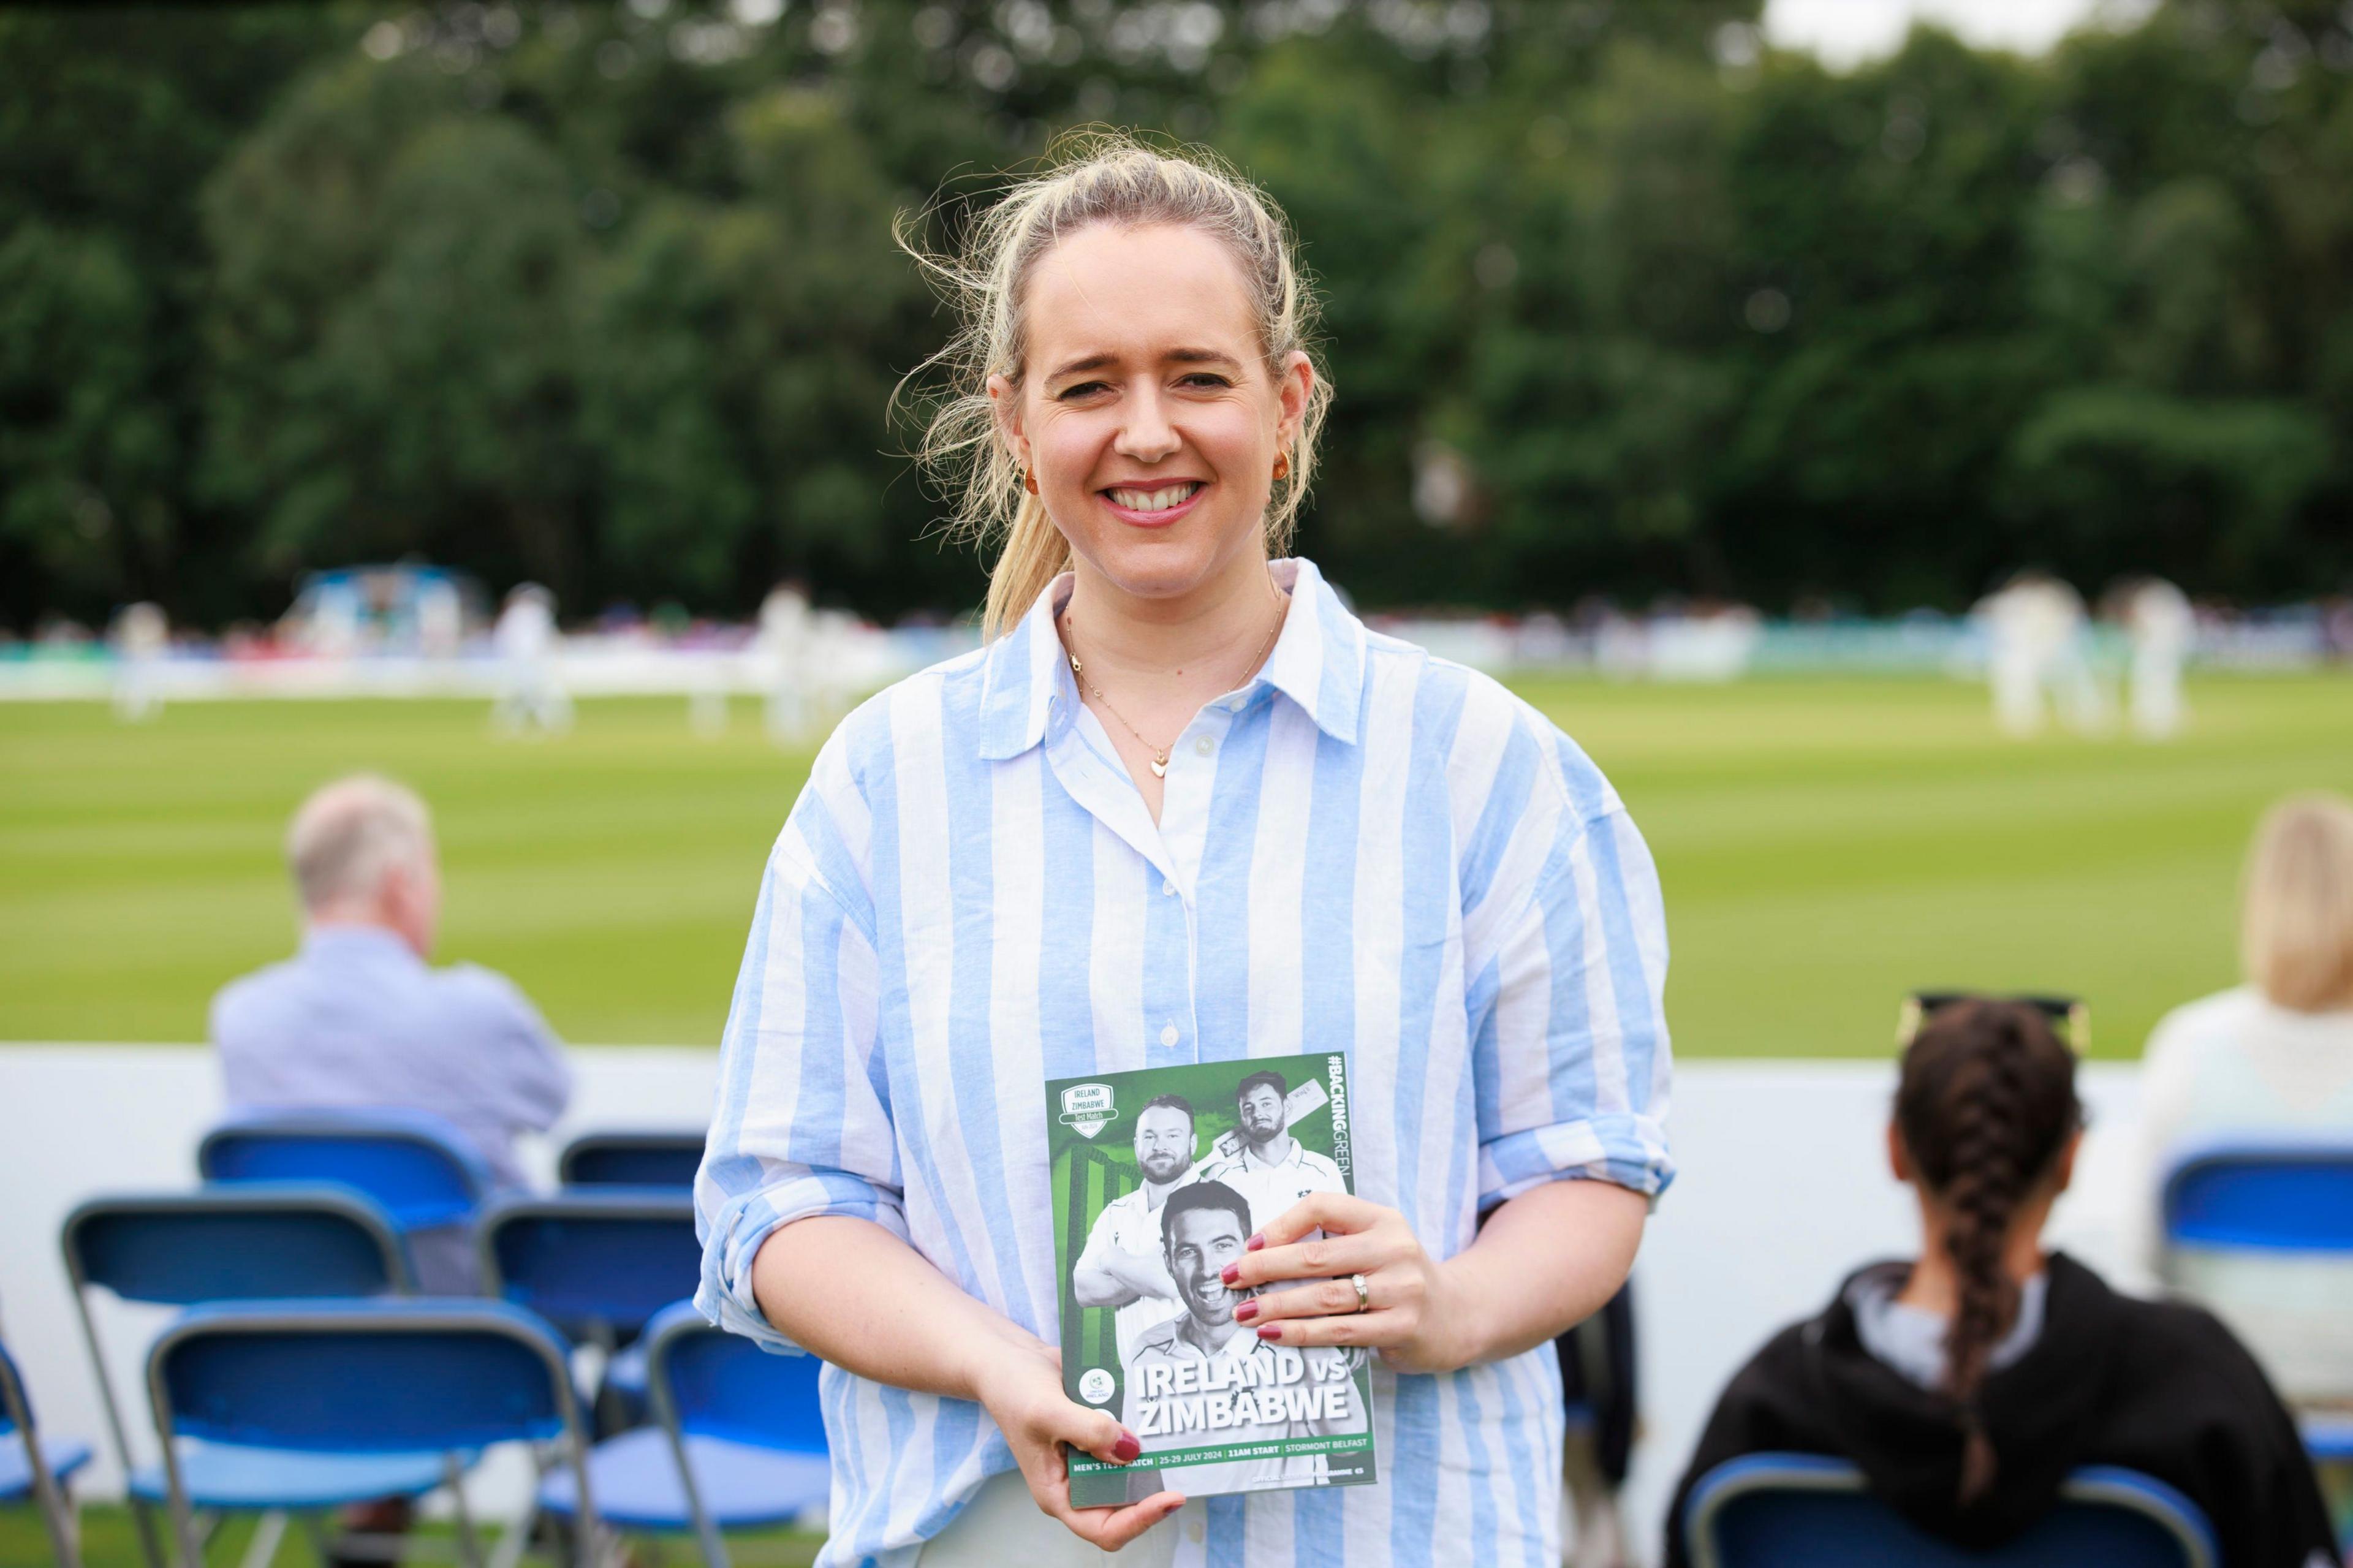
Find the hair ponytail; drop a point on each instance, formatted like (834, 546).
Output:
(1986, 1105)
(1091, 177)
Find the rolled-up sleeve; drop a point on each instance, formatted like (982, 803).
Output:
(1570, 1054)
(802, 1123)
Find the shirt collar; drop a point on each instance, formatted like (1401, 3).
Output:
(356, 941)
(1318, 661)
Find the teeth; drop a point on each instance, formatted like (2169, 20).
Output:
(1153, 500)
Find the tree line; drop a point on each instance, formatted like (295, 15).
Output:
(1620, 300)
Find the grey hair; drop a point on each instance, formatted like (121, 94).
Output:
(348, 834)
(1093, 177)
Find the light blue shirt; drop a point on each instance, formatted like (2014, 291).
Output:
(357, 1021)
(1367, 849)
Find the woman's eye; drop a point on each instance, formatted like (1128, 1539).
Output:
(1084, 389)
(1202, 378)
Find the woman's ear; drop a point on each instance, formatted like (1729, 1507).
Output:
(1006, 404)
(1294, 387)
(1899, 1161)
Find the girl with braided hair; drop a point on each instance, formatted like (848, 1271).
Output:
(1967, 1384)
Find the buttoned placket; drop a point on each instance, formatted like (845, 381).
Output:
(1087, 764)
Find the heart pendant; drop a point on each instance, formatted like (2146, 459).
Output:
(1159, 768)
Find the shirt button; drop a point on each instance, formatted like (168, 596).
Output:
(1168, 1033)
(1237, 704)
(1168, 888)
(1205, 745)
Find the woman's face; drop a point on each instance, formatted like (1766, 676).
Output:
(1149, 417)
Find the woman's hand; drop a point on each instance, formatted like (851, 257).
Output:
(1021, 1389)
(1416, 1319)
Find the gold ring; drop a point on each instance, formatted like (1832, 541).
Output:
(1364, 1294)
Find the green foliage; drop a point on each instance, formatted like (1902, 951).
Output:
(1616, 300)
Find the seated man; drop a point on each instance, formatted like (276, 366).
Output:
(357, 1020)
(1967, 1384)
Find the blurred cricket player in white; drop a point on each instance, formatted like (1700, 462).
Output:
(531, 693)
(786, 651)
(2035, 628)
(2162, 626)
(142, 636)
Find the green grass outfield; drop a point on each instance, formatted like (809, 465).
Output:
(1824, 845)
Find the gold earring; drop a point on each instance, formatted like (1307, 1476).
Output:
(1029, 481)
(1282, 465)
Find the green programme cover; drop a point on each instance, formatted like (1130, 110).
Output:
(1160, 1177)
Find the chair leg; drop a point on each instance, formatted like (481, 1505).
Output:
(262, 1549)
(469, 1549)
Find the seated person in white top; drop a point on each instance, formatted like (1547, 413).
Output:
(1184, 1389)
(2272, 1058)
(1122, 1264)
(1271, 1168)
(358, 1020)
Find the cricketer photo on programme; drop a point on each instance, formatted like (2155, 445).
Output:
(1160, 1178)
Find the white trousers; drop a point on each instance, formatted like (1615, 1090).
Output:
(1002, 1525)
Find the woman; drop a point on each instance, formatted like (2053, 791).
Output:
(2271, 1059)
(1183, 807)
(1966, 1384)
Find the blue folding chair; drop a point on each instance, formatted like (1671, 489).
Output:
(2279, 1196)
(619, 1159)
(597, 1263)
(35, 1467)
(739, 1444)
(356, 1381)
(262, 1240)
(1768, 1510)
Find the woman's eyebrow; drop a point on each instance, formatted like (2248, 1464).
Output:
(1099, 361)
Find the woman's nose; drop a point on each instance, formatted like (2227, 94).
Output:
(1147, 436)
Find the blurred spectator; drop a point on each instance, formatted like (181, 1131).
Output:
(1966, 1384)
(358, 1020)
(2272, 1056)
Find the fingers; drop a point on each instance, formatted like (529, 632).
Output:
(1109, 1529)
(1320, 1211)
(1095, 1432)
(1372, 1330)
(1320, 1258)
(1331, 1298)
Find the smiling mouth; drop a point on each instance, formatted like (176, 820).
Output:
(1164, 498)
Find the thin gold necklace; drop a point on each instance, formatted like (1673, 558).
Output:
(1160, 753)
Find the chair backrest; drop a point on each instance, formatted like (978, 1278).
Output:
(2262, 1194)
(418, 1166)
(1766, 1509)
(719, 1385)
(598, 1263)
(362, 1377)
(290, 1240)
(630, 1160)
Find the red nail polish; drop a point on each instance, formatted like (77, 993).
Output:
(1269, 1330)
(1254, 1243)
(1231, 1274)
(1126, 1449)
(1246, 1311)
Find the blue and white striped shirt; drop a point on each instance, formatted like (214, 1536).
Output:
(1367, 849)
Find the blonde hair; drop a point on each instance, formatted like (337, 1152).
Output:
(1091, 177)
(2296, 933)
(350, 833)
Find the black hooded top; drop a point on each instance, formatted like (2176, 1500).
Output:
(2153, 1386)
